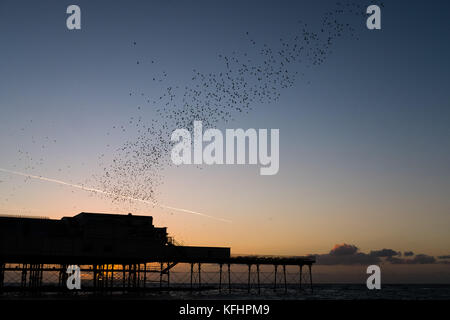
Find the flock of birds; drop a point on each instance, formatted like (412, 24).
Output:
(246, 80)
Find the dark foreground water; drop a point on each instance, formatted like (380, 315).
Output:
(320, 292)
(330, 292)
(390, 292)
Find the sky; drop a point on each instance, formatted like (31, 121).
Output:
(364, 136)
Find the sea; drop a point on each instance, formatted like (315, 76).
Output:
(292, 292)
(326, 292)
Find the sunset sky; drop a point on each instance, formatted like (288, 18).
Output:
(364, 137)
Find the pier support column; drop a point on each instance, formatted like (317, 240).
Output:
(310, 278)
(257, 272)
(38, 283)
(138, 276)
(168, 274)
(220, 278)
(135, 278)
(37, 276)
(129, 276)
(62, 279)
(96, 272)
(94, 276)
(285, 281)
(192, 273)
(105, 279)
(300, 280)
(112, 277)
(199, 275)
(145, 275)
(111, 283)
(101, 277)
(30, 276)
(40, 267)
(123, 277)
(23, 282)
(2, 276)
(275, 278)
(249, 273)
(229, 278)
(41, 275)
(161, 275)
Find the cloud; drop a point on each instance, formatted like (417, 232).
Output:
(346, 254)
(349, 254)
(423, 258)
(351, 259)
(385, 253)
(343, 249)
(418, 259)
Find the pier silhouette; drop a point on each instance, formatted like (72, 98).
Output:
(119, 252)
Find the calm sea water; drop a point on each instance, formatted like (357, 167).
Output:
(320, 292)
(330, 292)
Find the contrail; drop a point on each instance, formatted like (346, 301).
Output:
(111, 194)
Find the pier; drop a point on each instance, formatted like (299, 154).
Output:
(126, 253)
